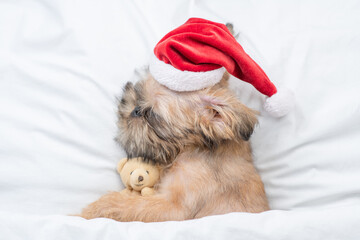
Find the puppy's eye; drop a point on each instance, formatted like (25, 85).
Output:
(131, 172)
(136, 112)
(147, 171)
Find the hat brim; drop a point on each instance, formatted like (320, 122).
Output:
(183, 81)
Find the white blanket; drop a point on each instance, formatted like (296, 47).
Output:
(312, 224)
(63, 62)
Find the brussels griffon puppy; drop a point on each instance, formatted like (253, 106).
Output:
(201, 138)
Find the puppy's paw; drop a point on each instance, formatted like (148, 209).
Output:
(230, 27)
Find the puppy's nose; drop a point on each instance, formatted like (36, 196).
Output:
(140, 178)
(136, 112)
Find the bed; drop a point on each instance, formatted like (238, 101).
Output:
(63, 63)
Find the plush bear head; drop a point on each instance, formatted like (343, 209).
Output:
(137, 174)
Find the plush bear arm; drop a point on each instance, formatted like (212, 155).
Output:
(130, 192)
(146, 191)
(126, 191)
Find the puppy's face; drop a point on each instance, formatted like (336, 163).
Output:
(157, 124)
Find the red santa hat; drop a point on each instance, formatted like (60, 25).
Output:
(195, 55)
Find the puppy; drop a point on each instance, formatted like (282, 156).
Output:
(201, 138)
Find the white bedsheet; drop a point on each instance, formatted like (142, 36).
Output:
(63, 62)
(331, 224)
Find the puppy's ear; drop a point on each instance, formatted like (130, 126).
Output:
(246, 123)
(224, 117)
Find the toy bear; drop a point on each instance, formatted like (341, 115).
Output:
(138, 176)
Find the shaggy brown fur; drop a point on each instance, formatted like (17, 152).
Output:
(201, 138)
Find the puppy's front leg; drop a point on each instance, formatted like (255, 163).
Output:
(126, 208)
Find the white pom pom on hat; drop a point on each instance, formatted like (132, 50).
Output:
(281, 103)
(195, 55)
